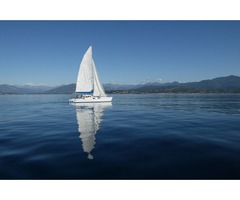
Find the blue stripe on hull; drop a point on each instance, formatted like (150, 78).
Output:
(91, 92)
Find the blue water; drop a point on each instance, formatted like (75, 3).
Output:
(143, 136)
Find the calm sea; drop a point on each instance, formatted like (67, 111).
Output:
(144, 136)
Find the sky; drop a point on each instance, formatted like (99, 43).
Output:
(125, 52)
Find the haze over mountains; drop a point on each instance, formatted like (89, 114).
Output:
(228, 84)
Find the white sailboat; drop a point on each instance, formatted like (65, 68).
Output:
(88, 87)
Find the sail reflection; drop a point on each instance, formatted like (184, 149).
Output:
(89, 117)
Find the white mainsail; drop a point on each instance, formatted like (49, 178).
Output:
(85, 74)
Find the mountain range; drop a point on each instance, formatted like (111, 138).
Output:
(228, 84)
(23, 89)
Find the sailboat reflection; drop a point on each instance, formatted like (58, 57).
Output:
(89, 117)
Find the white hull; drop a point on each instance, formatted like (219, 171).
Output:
(90, 100)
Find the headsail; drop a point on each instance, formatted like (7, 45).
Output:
(98, 89)
(85, 75)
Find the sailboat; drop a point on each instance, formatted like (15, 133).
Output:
(89, 89)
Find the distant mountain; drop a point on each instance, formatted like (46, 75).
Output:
(229, 84)
(64, 89)
(10, 89)
(23, 89)
(110, 86)
(34, 88)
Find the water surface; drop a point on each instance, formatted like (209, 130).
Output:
(143, 136)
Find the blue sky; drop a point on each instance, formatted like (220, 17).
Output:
(125, 52)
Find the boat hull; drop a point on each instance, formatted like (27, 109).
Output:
(90, 100)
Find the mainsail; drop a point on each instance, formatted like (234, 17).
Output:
(85, 75)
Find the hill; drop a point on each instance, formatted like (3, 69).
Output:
(23, 89)
(64, 89)
(229, 84)
(110, 86)
(10, 89)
